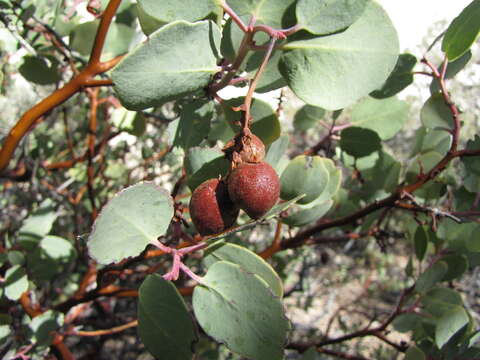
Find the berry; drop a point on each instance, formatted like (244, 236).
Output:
(211, 209)
(254, 188)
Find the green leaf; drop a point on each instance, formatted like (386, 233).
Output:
(16, 282)
(386, 173)
(406, 322)
(118, 41)
(16, 257)
(359, 142)
(436, 114)
(449, 324)
(248, 261)
(268, 12)
(399, 79)
(462, 32)
(193, 125)
(265, 121)
(386, 117)
(308, 215)
(472, 163)
(153, 14)
(307, 117)
(202, 164)
(457, 265)
(321, 70)
(414, 353)
(37, 224)
(277, 150)
(58, 248)
(5, 333)
(251, 323)
(44, 325)
(134, 218)
(164, 323)
(334, 180)
(431, 276)
(40, 70)
(177, 60)
(421, 242)
(328, 16)
(129, 121)
(304, 175)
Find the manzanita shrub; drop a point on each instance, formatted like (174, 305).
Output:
(263, 188)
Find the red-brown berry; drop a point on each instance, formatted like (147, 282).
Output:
(211, 209)
(254, 188)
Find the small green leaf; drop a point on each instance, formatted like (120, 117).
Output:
(359, 142)
(268, 12)
(472, 163)
(449, 324)
(309, 215)
(421, 242)
(457, 265)
(57, 248)
(251, 323)
(202, 164)
(164, 324)
(328, 16)
(44, 325)
(407, 322)
(133, 219)
(399, 79)
(193, 125)
(37, 224)
(436, 114)
(322, 70)
(177, 60)
(248, 260)
(118, 41)
(265, 121)
(431, 276)
(307, 117)
(462, 32)
(386, 117)
(153, 14)
(277, 150)
(304, 175)
(16, 257)
(40, 70)
(16, 282)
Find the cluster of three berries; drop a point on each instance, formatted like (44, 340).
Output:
(252, 186)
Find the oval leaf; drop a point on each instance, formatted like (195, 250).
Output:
(386, 117)
(164, 324)
(328, 16)
(359, 142)
(177, 60)
(129, 222)
(334, 71)
(449, 324)
(251, 323)
(248, 260)
(436, 114)
(462, 32)
(153, 14)
(304, 175)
